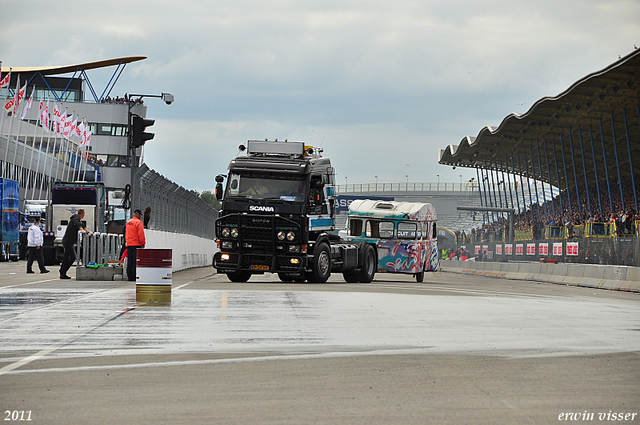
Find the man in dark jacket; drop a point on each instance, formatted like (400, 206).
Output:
(69, 239)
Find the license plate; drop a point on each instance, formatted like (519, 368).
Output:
(259, 267)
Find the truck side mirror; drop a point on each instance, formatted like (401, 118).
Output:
(318, 198)
(219, 190)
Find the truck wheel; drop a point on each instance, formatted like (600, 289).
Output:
(285, 277)
(239, 276)
(321, 264)
(368, 270)
(350, 277)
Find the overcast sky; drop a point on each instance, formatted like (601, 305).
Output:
(380, 85)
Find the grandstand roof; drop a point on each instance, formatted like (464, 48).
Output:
(66, 69)
(596, 108)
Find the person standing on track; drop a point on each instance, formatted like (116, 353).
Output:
(135, 239)
(34, 243)
(69, 239)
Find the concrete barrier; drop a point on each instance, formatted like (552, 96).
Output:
(616, 278)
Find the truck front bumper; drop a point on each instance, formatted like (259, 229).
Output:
(229, 262)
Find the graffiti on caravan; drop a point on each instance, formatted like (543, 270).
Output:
(343, 201)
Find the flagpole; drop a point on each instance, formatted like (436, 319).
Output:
(46, 153)
(33, 148)
(86, 154)
(2, 117)
(16, 108)
(55, 143)
(6, 154)
(27, 111)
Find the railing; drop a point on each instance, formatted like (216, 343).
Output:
(523, 235)
(98, 248)
(407, 187)
(600, 230)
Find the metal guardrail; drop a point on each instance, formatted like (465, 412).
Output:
(173, 208)
(407, 187)
(99, 248)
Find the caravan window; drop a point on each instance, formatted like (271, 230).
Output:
(386, 229)
(355, 227)
(407, 230)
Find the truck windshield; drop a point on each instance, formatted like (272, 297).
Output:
(253, 186)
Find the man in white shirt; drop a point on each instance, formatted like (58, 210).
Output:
(34, 243)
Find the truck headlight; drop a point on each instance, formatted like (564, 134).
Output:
(281, 235)
(227, 245)
(294, 248)
(234, 233)
(225, 232)
(291, 236)
(224, 257)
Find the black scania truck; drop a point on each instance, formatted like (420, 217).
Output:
(277, 216)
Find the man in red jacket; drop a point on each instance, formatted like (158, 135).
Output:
(134, 239)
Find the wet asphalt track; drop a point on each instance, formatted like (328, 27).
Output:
(55, 332)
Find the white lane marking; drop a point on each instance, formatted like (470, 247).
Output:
(7, 369)
(193, 281)
(174, 363)
(28, 283)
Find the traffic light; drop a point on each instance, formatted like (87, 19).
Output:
(138, 127)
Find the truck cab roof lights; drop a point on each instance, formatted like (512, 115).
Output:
(274, 147)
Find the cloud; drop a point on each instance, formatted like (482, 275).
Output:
(362, 77)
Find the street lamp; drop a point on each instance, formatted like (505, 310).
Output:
(168, 99)
(376, 183)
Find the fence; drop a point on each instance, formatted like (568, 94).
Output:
(99, 248)
(407, 187)
(606, 251)
(173, 208)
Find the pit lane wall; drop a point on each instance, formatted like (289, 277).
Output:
(188, 251)
(616, 278)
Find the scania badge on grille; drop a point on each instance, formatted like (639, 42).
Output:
(263, 208)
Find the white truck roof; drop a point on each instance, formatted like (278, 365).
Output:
(415, 211)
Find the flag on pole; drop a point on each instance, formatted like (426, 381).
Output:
(66, 128)
(5, 81)
(12, 104)
(86, 139)
(80, 131)
(72, 130)
(25, 111)
(44, 118)
(19, 96)
(40, 109)
(56, 118)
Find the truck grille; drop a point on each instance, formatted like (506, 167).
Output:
(257, 241)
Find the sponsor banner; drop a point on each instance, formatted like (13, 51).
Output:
(477, 249)
(543, 248)
(519, 249)
(508, 249)
(531, 249)
(343, 201)
(572, 248)
(557, 248)
(485, 249)
(499, 249)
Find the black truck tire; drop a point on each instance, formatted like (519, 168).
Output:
(285, 277)
(321, 264)
(239, 276)
(368, 270)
